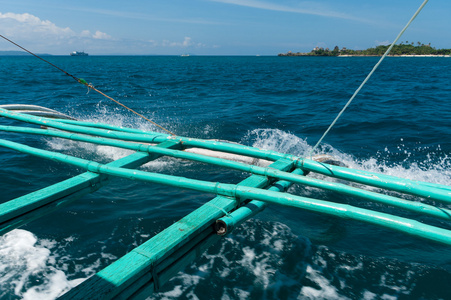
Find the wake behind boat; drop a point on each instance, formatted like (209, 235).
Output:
(148, 266)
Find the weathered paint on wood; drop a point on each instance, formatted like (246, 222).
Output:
(148, 266)
(122, 274)
(22, 210)
(407, 186)
(417, 207)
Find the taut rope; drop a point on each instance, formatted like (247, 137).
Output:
(367, 78)
(90, 86)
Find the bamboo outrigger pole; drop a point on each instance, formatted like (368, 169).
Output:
(237, 192)
(148, 266)
(417, 207)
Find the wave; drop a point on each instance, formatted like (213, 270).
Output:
(434, 166)
(261, 259)
(32, 268)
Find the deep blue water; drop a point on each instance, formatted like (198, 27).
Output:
(399, 124)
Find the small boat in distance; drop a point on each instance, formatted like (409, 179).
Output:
(78, 53)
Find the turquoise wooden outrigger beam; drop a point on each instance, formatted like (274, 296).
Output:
(150, 265)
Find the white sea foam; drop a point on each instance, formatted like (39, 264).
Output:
(257, 254)
(101, 153)
(250, 263)
(260, 259)
(277, 140)
(325, 289)
(435, 168)
(104, 153)
(28, 268)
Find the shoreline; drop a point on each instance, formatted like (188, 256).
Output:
(402, 55)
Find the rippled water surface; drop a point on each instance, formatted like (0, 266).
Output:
(399, 125)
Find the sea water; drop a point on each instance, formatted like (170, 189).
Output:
(399, 125)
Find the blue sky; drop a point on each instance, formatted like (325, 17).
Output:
(217, 27)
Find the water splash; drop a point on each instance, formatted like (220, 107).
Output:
(416, 163)
(29, 267)
(260, 260)
(266, 260)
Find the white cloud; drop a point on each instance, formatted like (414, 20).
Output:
(21, 17)
(86, 33)
(46, 37)
(98, 35)
(101, 36)
(308, 8)
(187, 42)
(29, 25)
(43, 35)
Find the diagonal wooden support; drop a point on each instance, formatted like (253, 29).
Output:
(27, 208)
(166, 253)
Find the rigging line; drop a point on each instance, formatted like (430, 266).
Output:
(90, 86)
(368, 77)
(40, 58)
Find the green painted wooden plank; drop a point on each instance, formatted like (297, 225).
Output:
(160, 270)
(230, 190)
(147, 254)
(123, 273)
(337, 187)
(427, 190)
(130, 268)
(22, 210)
(441, 193)
(170, 266)
(417, 207)
(226, 224)
(41, 211)
(173, 269)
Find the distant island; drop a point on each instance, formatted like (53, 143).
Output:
(403, 49)
(19, 53)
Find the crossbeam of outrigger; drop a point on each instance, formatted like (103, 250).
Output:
(147, 267)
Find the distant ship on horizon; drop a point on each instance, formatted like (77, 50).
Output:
(78, 53)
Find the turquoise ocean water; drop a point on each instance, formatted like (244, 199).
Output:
(399, 125)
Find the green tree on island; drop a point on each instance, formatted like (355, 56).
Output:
(400, 49)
